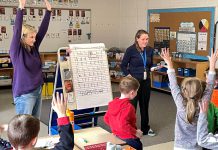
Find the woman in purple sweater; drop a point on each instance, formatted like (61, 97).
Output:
(24, 53)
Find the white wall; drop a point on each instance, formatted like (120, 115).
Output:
(133, 16)
(105, 17)
(115, 22)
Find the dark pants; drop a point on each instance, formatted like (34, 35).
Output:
(135, 143)
(143, 96)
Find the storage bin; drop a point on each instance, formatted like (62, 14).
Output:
(180, 71)
(160, 84)
(189, 72)
(163, 69)
(6, 65)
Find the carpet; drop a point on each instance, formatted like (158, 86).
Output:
(45, 111)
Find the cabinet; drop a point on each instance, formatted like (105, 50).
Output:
(6, 69)
(115, 57)
(200, 68)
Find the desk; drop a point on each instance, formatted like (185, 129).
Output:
(92, 135)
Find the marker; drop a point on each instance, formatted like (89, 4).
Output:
(83, 140)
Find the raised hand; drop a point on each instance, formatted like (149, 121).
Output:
(22, 4)
(213, 59)
(48, 5)
(203, 106)
(165, 54)
(59, 105)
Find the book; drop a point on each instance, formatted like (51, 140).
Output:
(99, 146)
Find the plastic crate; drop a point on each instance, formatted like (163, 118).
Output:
(189, 72)
(54, 129)
(160, 84)
(163, 69)
(180, 71)
(6, 65)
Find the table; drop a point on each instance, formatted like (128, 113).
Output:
(92, 135)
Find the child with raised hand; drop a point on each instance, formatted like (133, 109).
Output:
(23, 129)
(205, 139)
(186, 99)
(121, 116)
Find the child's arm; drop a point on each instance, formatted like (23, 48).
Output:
(65, 128)
(175, 90)
(204, 139)
(106, 118)
(211, 76)
(128, 121)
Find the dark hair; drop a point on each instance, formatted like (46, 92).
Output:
(137, 36)
(22, 129)
(127, 84)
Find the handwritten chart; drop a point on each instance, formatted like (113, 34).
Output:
(91, 80)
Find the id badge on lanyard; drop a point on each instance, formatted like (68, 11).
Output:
(145, 74)
(143, 55)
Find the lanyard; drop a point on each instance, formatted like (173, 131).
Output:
(143, 55)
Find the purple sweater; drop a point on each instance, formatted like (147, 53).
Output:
(27, 65)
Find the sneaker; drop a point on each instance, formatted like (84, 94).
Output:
(151, 133)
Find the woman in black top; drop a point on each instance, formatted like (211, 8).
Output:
(137, 62)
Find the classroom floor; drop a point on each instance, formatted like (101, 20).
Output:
(164, 125)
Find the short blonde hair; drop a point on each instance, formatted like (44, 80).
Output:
(127, 84)
(26, 29)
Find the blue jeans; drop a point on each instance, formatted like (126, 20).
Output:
(135, 143)
(29, 103)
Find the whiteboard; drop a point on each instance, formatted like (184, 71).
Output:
(66, 26)
(91, 79)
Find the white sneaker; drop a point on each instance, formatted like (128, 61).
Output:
(151, 132)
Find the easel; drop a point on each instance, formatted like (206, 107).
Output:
(83, 118)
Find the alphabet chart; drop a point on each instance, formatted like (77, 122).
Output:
(91, 79)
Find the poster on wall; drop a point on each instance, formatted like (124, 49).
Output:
(155, 17)
(202, 41)
(63, 28)
(186, 42)
(203, 25)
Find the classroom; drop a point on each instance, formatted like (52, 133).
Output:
(83, 55)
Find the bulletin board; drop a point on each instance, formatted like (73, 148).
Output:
(66, 26)
(172, 19)
(91, 79)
